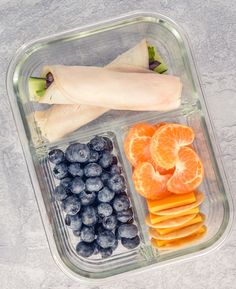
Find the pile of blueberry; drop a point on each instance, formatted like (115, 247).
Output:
(92, 192)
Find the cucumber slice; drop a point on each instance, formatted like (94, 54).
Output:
(155, 56)
(37, 88)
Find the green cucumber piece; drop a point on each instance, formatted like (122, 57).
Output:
(155, 56)
(37, 87)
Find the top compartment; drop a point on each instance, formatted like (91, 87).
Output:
(98, 46)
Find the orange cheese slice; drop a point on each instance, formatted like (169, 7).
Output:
(153, 219)
(175, 211)
(178, 243)
(171, 201)
(176, 221)
(195, 220)
(180, 233)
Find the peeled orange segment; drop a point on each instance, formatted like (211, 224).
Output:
(171, 201)
(198, 218)
(155, 218)
(183, 232)
(176, 211)
(188, 173)
(175, 222)
(137, 150)
(137, 143)
(148, 183)
(179, 243)
(167, 141)
(161, 170)
(141, 129)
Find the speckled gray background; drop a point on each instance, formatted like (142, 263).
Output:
(25, 259)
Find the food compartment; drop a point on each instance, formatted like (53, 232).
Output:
(215, 206)
(93, 50)
(122, 259)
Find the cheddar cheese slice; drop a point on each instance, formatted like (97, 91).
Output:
(171, 201)
(195, 220)
(178, 243)
(153, 218)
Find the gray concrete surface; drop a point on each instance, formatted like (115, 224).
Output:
(25, 259)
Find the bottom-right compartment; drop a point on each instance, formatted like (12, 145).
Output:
(181, 192)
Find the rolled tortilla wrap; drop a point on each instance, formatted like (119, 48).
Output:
(59, 120)
(113, 89)
(137, 55)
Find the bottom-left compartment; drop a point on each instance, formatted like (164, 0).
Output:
(90, 205)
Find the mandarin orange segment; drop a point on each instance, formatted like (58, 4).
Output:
(148, 183)
(137, 143)
(188, 174)
(141, 129)
(167, 141)
(138, 150)
(161, 170)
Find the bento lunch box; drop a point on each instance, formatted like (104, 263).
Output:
(97, 45)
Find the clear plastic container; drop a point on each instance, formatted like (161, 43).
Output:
(98, 45)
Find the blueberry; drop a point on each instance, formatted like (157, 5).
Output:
(84, 249)
(77, 185)
(71, 205)
(125, 216)
(86, 198)
(105, 195)
(110, 222)
(130, 221)
(99, 143)
(60, 193)
(56, 156)
(130, 243)
(106, 252)
(100, 219)
(118, 237)
(77, 152)
(106, 159)
(92, 170)
(75, 170)
(89, 216)
(94, 184)
(99, 228)
(128, 231)
(114, 160)
(60, 171)
(66, 182)
(97, 248)
(74, 222)
(121, 203)
(87, 234)
(106, 239)
(104, 209)
(109, 145)
(105, 177)
(94, 156)
(114, 247)
(115, 170)
(116, 183)
(77, 232)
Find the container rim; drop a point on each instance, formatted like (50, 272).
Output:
(83, 31)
